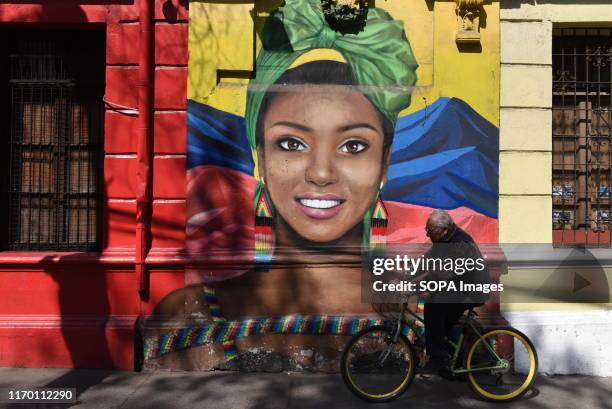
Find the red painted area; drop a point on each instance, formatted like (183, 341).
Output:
(169, 177)
(219, 222)
(171, 44)
(121, 86)
(407, 223)
(119, 177)
(67, 348)
(33, 259)
(78, 309)
(39, 288)
(170, 132)
(60, 315)
(145, 142)
(120, 224)
(120, 286)
(122, 13)
(169, 224)
(162, 283)
(57, 289)
(122, 43)
(68, 12)
(590, 237)
(120, 132)
(171, 88)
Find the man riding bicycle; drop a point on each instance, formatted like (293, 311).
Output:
(444, 308)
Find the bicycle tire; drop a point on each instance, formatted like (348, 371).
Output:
(500, 340)
(360, 352)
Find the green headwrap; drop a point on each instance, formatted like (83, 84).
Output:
(380, 56)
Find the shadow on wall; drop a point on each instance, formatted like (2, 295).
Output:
(84, 309)
(587, 281)
(69, 11)
(85, 338)
(170, 9)
(69, 5)
(83, 300)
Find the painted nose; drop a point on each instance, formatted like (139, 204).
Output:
(321, 170)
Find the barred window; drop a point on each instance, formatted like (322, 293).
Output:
(55, 84)
(581, 123)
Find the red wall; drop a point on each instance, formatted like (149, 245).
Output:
(79, 310)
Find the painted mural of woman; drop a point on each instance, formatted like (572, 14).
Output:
(322, 124)
(298, 180)
(284, 203)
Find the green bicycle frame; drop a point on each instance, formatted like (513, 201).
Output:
(456, 346)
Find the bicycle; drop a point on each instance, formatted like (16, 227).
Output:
(378, 363)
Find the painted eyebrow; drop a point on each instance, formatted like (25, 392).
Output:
(293, 125)
(340, 129)
(355, 126)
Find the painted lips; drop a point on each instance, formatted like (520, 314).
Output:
(320, 206)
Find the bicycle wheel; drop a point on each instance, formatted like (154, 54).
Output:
(503, 364)
(376, 369)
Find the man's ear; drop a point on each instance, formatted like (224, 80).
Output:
(444, 234)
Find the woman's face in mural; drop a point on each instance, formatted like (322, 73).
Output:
(322, 160)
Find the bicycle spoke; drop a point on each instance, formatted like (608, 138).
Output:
(377, 368)
(492, 364)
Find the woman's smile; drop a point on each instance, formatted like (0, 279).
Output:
(319, 206)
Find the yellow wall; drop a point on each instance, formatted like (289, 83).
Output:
(222, 37)
(471, 76)
(525, 203)
(525, 109)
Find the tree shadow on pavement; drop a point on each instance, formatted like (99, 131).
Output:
(222, 390)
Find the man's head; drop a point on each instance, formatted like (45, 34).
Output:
(440, 226)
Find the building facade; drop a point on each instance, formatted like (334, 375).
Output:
(130, 179)
(554, 132)
(74, 283)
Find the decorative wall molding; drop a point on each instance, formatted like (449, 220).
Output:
(37, 322)
(468, 21)
(110, 258)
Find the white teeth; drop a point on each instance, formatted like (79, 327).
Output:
(319, 204)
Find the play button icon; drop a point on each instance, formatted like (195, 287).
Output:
(580, 282)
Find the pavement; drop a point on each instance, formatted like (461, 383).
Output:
(296, 390)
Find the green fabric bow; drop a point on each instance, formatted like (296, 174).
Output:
(380, 56)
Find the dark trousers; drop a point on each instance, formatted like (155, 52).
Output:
(439, 319)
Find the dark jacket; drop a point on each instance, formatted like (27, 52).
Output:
(459, 245)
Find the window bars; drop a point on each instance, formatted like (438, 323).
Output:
(581, 121)
(54, 147)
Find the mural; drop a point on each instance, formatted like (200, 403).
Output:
(334, 141)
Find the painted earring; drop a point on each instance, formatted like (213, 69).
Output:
(264, 228)
(379, 222)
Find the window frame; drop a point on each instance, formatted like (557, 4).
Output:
(68, 151)
(581, 153)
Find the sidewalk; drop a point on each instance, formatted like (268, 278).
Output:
(224, 390)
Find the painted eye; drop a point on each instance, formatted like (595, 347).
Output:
(291, 144)
(354, 147)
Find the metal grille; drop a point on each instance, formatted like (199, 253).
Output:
(581, 122)
(54, 148)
